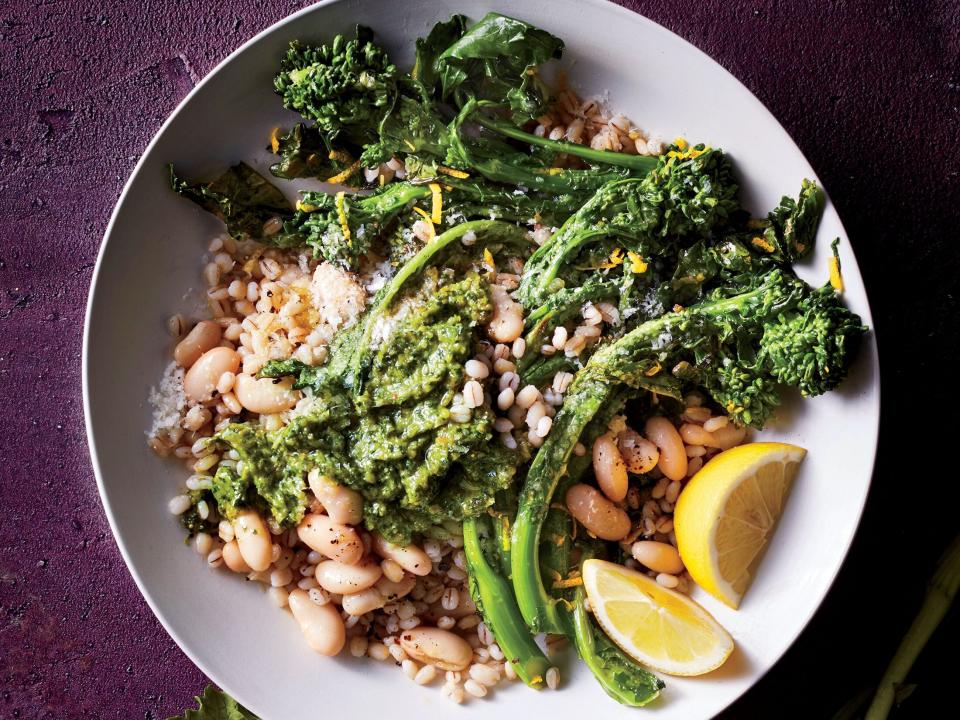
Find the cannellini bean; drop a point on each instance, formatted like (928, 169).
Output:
(659, 557)
(434, 646)
(609, 468)
(597, 514)
(343, 579)
(253, 540)
(265, 395)
(321, 624)
(395, 590)
(673, 457)
(233, 559)
(342, 504)
(410, 557)
(362, 602)
(201, 379)
(729, 436)
(205, 336)
(695, 435)
(639, 454)
(335, 540)
(506, 325)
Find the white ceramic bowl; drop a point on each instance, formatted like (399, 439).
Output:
(149, 268)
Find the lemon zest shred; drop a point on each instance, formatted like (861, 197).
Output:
(436, 209)
(341, 156)
(681, 142)
(413, 148)
(423, 213)
(251, 263)
(488, 259)
(836, 279)
(275, 140)
(306, 207)
(637, 263)
(453, 172)
(342, 213)
(761, 243)
(345, 175)
(568, 583)
(616, 258)
(654, 370)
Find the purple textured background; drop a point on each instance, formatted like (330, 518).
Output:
(870, 92)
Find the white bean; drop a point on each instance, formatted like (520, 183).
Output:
(395, 589)
(609, 468)
(342, 504)
(233, 559)
(506, 325)
(673, 456)
(639, 454)
(729, 436)
(321, 624)
(335, 540)
(434, 646)
(597, 514)
(659, 557)
(409, 557)
(362, 602)
(253, 540)
(201, 379)
(343, 579)
(205, 336)
(265, 395)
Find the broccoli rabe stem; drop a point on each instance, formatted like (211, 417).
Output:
(550, 464)
(641, 163)
(494, 598)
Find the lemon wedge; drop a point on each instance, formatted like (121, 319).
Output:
(654, 625)
(728, 511)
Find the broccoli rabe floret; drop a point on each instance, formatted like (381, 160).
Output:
(346, 87)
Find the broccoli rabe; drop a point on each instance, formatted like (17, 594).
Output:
(346, 87)
(687, 195)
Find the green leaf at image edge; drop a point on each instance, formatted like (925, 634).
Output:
(216, 705)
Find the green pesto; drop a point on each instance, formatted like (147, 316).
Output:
(395, 440)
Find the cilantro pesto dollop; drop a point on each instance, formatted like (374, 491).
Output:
(418, 466)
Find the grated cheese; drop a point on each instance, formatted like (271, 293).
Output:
(168, 400)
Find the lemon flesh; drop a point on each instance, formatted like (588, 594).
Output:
(728, 511)
(654, 625)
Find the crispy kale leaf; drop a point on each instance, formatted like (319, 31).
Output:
(241, 197)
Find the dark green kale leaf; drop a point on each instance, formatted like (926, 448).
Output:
(303, 154)
(497, 60)
(430, 48)
(241, 197)
(790, 230)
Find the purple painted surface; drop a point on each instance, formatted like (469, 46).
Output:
(870, 91)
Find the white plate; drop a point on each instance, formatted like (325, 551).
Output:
(149, 267)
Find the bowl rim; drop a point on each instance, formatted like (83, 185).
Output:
(633, 16)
